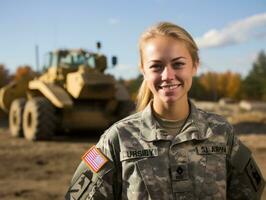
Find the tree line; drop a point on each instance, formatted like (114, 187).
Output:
(210, 86)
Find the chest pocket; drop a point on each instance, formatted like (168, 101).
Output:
(155, 174)
(144, 174)
(214, 176)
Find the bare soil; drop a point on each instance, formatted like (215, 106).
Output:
(42, 170)
(39, 170)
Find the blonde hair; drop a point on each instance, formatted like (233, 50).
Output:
(169, 30)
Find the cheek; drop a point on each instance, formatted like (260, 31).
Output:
(187, 77)
(145, 73)
(189, 80)
(152, 81)
(188, 74)
(149, 76)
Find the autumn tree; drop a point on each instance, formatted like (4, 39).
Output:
(254, 84)
(209, 82)
(24, 71)
(217, 85)
(229, 84)
(4, 75)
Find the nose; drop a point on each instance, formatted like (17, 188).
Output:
(168, 73)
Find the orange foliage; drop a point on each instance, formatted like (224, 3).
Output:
(24, 71)
(222, 84)
(232, 86)
(209, 81)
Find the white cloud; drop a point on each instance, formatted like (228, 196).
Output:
(113, 21)
(237, 32)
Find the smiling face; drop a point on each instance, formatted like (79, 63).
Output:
(168, 69)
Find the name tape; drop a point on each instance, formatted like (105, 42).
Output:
(212, 149)
(142, 153)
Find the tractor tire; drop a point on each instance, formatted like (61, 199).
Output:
(39, 120)
(16, 116)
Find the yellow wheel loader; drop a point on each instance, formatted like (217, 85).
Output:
(73, 93)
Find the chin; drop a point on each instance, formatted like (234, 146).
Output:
(173, 99)
(170, 100)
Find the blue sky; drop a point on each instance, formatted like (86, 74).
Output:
(229, 33)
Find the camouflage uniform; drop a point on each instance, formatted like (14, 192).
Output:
(204, 161)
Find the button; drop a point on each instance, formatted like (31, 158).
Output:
(165, 134)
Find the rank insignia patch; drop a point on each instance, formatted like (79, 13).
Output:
(254, 175)
(94, 159)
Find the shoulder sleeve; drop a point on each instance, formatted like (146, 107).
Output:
(245, 180)
(103, 183)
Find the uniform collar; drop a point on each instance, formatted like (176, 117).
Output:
(196, 126)
(149, 125)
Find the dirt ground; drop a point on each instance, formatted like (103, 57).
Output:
(38, 170)
(42, 170)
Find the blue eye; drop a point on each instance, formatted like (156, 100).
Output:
(156, 67)
(178, 65)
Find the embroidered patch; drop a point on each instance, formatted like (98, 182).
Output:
(254, 175)
(142, 153)
(94, 159)
(179, 172)
(211, 149)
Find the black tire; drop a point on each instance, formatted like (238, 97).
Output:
(39, 120)
(15, 117)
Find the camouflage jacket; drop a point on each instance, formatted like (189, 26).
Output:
(204, 161)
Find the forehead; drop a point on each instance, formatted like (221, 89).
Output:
(164, 46)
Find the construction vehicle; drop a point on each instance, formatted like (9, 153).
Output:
(73, 93)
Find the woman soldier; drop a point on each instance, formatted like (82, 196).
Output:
(169, 149)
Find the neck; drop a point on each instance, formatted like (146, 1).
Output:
(176, 111)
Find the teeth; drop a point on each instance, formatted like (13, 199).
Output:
(171, 87)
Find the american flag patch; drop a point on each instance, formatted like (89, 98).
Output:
(94, 159)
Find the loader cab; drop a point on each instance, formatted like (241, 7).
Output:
(48, 59)
(60, 63)
(74, 59)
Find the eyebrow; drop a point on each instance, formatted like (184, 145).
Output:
(159, 61)
(178, 58)
(155, 61)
